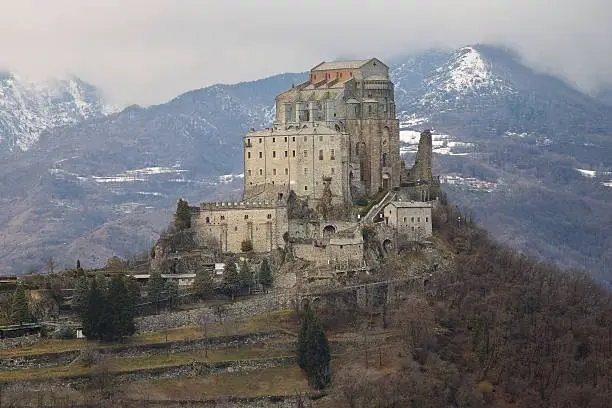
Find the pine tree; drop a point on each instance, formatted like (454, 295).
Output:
(79, 271)
(133, 289)
(155, 288)
(19, 308)
(325, 202)
(171, 291)
(79, 296)
(246, 277)
(92, 314)
(231, 278)
(265, 274)
(313, 351)
(182, 218)
(203, 284)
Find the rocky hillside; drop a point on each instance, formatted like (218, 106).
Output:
(28, 107)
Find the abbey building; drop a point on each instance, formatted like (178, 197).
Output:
(334, 142)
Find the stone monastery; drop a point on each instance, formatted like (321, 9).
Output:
(329, 164)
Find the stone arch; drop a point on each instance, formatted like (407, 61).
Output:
(329, 230)
(387, 246)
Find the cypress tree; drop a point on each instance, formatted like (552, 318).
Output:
(246, 277)
(19, 307)
(155, 288)
(203, 284)
(182, 218)
(265, 274)
(313, 353)
(231, 278)
(79, 296)
(171, 291)
(119, 310)
(92, 314)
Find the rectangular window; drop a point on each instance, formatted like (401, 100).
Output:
(248, 155)
(222, 217)
(285, 139)
(426, 219)
(274, 171)
(305, 153)
(404, 219)
(269, 216)
(305, 171)
(305, 138)
(305, 188)
(285, 153)
(293, 138)
(286, 172)
(411, 219)
(273, 140)
(293, 153)
(273, 153)
(419, 219)
(320, 138)
(260, 140)
(260, 155)
(246, 216)
(320, 154)
(249, 172)
(261, 172)
(333, 155)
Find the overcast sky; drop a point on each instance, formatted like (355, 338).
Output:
(148, 51)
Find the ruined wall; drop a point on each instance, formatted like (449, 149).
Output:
(421, 170)
(231, 223)
(333, 254)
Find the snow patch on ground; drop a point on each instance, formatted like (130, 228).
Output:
(441, 144)
(587, 173)
(228, 178)
(471, 183)
(608, 184)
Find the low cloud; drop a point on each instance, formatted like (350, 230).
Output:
(148, 51)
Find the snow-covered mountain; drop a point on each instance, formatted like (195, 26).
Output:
(29, 107)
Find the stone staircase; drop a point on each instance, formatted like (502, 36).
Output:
(376, 208)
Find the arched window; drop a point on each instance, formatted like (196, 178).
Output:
(384, 159)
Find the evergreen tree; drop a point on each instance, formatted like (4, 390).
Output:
(155, 288)
(171, 291)
(182, 218)
(325, 202)
(265, 274)
(246, 277)
(231, 278)
(313, 351)
(19, 308)
(118, 316)
(79, 271)
(79, 296)
(92, 314)
(203, 284)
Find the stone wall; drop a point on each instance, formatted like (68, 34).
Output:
(263, 223)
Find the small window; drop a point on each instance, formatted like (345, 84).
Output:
(207, 220)
(249, 172)
(285, 153)
(333, 155)
(285, 139)
(411, 219)
(260, 140)
(320, 138)
(293, 139)
(261, 172)
(269, 216)
(274, 172)
(305, 171)
(293, 153)
(369, 108)
(305, 138)
(404, 219)
(412, 228)
(305, 188)
(419, 219)
(305, 153)
(260, 155)
(235, 228)
(246, 216)
(426, 219)
(273, 153)
(273, 140)
(248, 141)
(223, 218)
(320, 154)
(248, 155)
(286, 172)
(272, 181)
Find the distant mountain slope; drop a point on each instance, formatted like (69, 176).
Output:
(27, 107)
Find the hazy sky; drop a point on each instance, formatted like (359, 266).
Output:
(148, 51)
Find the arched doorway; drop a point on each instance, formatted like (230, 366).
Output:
(328, 231)
(388, 246)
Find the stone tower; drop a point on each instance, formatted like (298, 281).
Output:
(353, 98)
